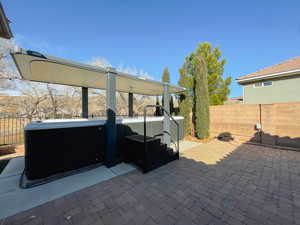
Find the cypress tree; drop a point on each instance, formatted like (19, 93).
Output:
(185, 99)
(166, 79)
(194, 77)
(166, 75)
(204, 60)
(185, 111)
(201, 98)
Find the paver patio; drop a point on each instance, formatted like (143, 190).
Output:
(215, 183)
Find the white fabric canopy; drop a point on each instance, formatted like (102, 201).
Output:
(43, 68)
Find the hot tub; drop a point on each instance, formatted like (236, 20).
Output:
(55, 147)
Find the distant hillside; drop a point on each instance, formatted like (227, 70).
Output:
(57, 106)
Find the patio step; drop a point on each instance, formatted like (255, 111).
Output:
(148, 155)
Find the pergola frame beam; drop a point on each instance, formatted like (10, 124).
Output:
(35, 66)
(130, 104)
(166, 122)
(111, 126)
(85, 102)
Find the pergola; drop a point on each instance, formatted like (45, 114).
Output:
(39, 67)
(5, 31)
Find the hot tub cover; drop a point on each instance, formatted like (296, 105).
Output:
(69, 123)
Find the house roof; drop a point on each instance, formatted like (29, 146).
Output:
(5, 31)
(285, 68)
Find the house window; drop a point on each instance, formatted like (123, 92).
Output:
(268, 83)
(258, 84)
(263, 84)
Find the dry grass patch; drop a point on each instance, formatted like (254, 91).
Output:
(211, 152)
(194, 139)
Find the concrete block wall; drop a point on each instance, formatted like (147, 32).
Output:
(280, 122)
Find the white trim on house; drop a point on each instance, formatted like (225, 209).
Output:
(272, 75)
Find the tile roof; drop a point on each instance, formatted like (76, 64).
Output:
(285, 66)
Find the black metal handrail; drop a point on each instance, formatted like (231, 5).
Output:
(169, 115)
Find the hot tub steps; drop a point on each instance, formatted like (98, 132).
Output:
(148, 154)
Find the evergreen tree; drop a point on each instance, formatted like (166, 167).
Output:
(201, 98)
(166, 75)
(218, 87)
(185, 106)
(166, 79)
(185, 99)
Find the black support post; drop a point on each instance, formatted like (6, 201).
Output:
(130, 104)
(111, 126)
(85, 102)
(166, 122)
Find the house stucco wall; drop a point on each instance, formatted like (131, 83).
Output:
(282, 90)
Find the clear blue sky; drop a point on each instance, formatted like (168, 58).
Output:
(153, 34)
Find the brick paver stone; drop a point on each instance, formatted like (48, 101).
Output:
(215, 183)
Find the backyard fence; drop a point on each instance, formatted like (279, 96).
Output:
(279, 122)
(11, 129)
(12, 126)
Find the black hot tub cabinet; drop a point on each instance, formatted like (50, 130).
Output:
(55, 148)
